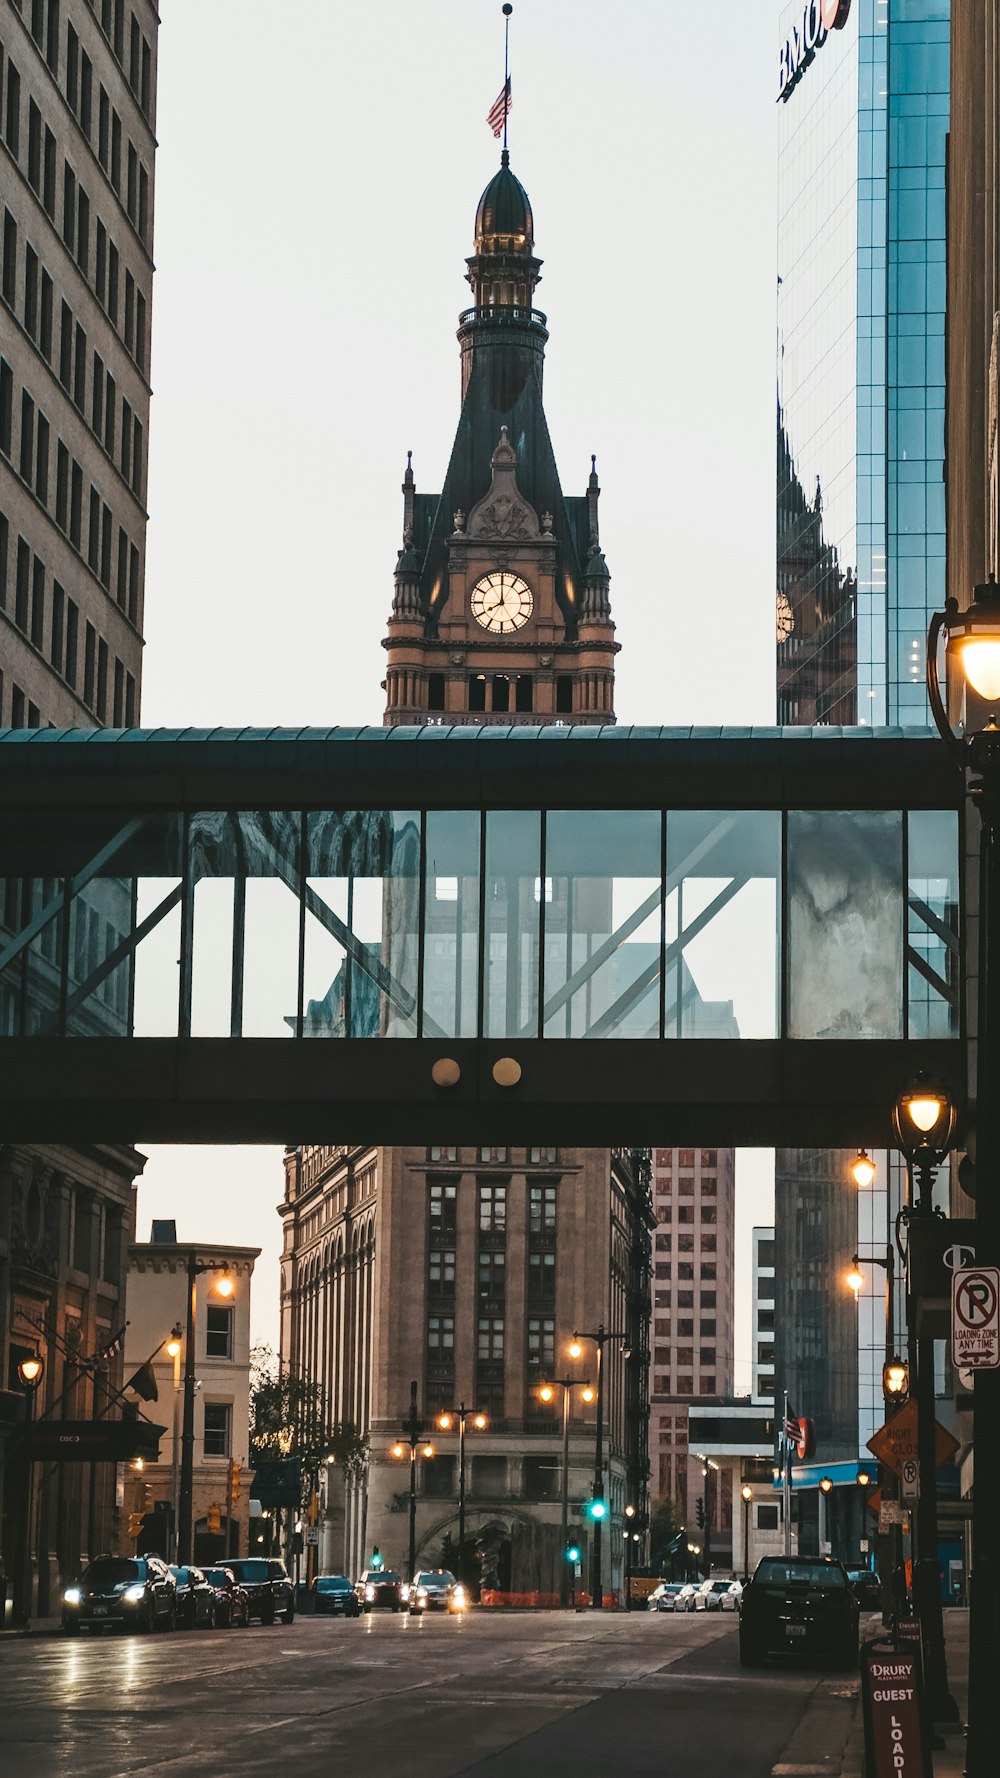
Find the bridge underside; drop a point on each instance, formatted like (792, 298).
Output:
(778, 1093)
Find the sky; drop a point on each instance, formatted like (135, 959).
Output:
(315, 195)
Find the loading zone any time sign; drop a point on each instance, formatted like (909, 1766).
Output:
(975, 1317)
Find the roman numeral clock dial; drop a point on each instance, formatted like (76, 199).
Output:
(501, 603)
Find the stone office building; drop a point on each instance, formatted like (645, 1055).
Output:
(77, 149)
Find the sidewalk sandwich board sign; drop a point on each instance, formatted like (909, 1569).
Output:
(975, 1318)
(895, 1741)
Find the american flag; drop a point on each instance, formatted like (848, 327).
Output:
(114, 1346)
(499, 109)
(791, 1427)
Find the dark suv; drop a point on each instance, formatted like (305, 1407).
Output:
(130, 1592)
(383, 1587)
(799, 1604)
(269, 1590)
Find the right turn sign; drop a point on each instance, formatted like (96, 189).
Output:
(975, 1318)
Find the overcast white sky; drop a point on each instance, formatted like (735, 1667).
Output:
(316, 187)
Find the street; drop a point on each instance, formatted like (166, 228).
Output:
(485, 1694)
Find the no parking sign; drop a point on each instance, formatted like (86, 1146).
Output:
(975, 1318)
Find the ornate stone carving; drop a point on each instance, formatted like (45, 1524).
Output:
(503, 512)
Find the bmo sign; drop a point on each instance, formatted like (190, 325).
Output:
(808, 34)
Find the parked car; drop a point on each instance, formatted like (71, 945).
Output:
(334, 1596)
(382, 1587)
(232, 1602)
(718, 1595)
(799, 1604)
(685, 1598)
(129, 1592)
(664, 1597)
(437, 1590)
(269, 1590)
(195, 1599)
(866, 1586)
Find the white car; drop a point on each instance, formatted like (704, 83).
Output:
(664, 1597)
(718, 1595)
(686, 1597)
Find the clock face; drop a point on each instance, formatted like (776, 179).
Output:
(501, 602)
(784, 619)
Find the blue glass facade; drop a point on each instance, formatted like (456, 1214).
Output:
(861, 300)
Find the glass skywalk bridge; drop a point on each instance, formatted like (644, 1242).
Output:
(603, 914)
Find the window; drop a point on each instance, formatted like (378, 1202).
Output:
(218, 1420)
(541, 1154)
(13, 109)
(542, 1209)
(708, 1299)
(708, 1330)
(435, 681)
(541, 1277)
(477, 691)
(765, 1320)
(441, 1271)
(9, 259)
(542, 1478)
(6, 407)
(523, 692)
(709, 1214)
(437, 1476)
(442, 1213)
(69, 207)
(685, 1385)
(685, 1328)
(72, 631)
(489, 1477)
(710, 1187)
(707, 1386)
(492, 1277)
(444, 1154)
(707, 1270)
(662, 1270)
(440, 1336)
(38, 603)
(219, 1332)
(664, 1213)
(493, 1154)
(765, 1253)
(685, 1212)
(56, 641)
(663, 1243)
(493, 1209)
(489, 1339)
(564, 693)
(767, 1518)
(708, 1243)
(541, 1344)
(34, 145)
(706, 1354)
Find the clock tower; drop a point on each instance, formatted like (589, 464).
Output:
(500, 612)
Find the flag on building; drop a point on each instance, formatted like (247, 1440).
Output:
(111, 1348)
(499, 109)
(143, 1382)
(791, 1428)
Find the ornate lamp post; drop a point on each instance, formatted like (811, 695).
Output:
(410, 1443)
(546, 1393)
(746, 1494)
(972, 651)
(598, 1504)
(30, 1373)
(446, 1421)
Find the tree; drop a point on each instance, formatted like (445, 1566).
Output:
(289, 1418)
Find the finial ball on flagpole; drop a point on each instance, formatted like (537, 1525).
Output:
(507, 10)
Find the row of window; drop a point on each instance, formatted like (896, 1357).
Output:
(685, 1299)
(686, 1157)
(685, 1186)
(50, 621)
(685, 1243)
(707, 1213)
(137, 65)
(443, 1210)
(114, 560)
(682, 1385)
(500, 1156)
(490, 1337)
(684, 1355)
(685, 1328)
(685, 1270)
(115, 425)
(492, 1269)
(499, 691)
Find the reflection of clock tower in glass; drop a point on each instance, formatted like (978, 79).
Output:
(501, 611)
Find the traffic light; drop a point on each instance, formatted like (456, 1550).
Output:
(596, 1509)
(699, 1511)
(135, 1524)
(234, 1486)
(573, 1552)
(213, 1519)
(376, 1561)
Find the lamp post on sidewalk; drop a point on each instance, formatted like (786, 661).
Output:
(30, 1372)
(972, 649)
(746, 1493)
(598, 1505)
(445, 1421)
(409, 1444)
(224, 1288)
(546, 1393)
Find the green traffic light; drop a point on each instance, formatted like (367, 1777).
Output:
(597, 1509)
(573, 1553)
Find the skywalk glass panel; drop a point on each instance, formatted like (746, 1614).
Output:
(451, 922)
(514, 897)
(723, 911)
(244, 871)
(933, 972)
(845, 923)
(603, 923)
(361, 923)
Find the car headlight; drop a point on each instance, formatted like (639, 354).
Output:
(404, 1591)
(458, 1594)
(72, 1596)
(421, 1592)
(369, 1592)
(132, 1595)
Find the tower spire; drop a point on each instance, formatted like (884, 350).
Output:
(507, 10)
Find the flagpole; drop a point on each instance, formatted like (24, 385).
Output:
(507, 10)
(786, 1478)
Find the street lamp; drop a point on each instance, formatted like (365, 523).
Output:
(224, 1287)
(599, 1338)
(410, 1443)
(863, 1169)
(30, 1372)
(547, 1393)
(446, 1421)
(924, 1121)
(747, 1495)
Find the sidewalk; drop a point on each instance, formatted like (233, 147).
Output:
(39, 1626)
(949, 1761)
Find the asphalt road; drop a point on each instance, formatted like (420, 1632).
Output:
(495, 1696)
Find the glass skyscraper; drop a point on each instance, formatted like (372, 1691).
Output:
(861, 337)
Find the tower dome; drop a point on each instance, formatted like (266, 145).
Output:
(504, 223)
